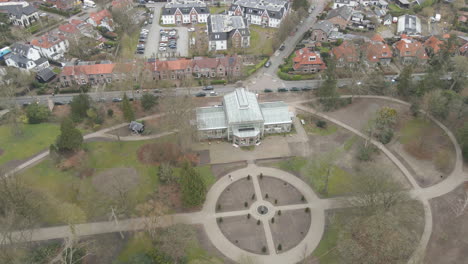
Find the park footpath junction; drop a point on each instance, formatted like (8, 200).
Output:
(242, 120)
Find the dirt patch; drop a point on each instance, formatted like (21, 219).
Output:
(245, 233)
(1, 151)
(171, 196)
(234, 197)
(279, 192)
(114, 181)
(73, 160)
(205, 242)
(61, 111)
(448, 241)
(290, 228)
(163, 152)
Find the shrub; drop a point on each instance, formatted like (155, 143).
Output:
(266, 196)
(37, 113)
(280, 247)
(273, 220)
(148, 101)
(253, 196)
(385, 136)
(279, 212)
(214, 82)
(307, 210)
(246, 204)
(321, 124)
(264, 249)
(110, 112)
(276, 201)
(365, 152)
(258, 222)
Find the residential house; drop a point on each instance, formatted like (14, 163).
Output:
(173, 69)
(185, 13)
(25, 57)
(85, 29)
(340, 3)
(45, 75)
(377, 51)
(340, 17)
(409, 50)
(52, 46)
(307, 61)
(65, 5)
(347, 54)
(409, 25)
(267, 13)
(87, 73)
(123, 5)
(322, 30)
(463, 50)
(404, 3)
(387, 20)
(224, 31)
(102, 18)
(20, 13)
(433, 45)
(228, 66)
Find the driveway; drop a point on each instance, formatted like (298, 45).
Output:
(152, 43)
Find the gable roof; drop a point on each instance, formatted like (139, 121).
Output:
(99, 16)
(171, 65)
(344, 12)
(18, 9)
(323, 25)
(45, 74)
(347, 51)
(434, 43)
(47, 40)
(377, 38)
(88, 69)
(408, 47)
(242, 106)
(303, 58)
(375, 51)
(68, 28)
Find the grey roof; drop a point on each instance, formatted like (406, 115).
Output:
(409, 24)
(241, 106)
(345, 12)
(211, 118)
(22, 49)
(324, 25)
(18, 10)
(21, 60)
(45, 74)
(270, 5)
(405, 2)
(221, 26)
(243, 133)
(275, 113)
(185, 10)
(40, 61)
(344, 1)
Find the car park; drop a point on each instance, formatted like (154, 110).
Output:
(268, 90)
(295, 89)
(282, 90)
(208, 88)
(200, 94)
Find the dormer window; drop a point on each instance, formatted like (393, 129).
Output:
(312, 58)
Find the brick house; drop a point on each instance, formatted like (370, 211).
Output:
(340, 17)
(307, 61)
(409, 50)
(378, 52)
(102, 18)
(322, 30)
(346, 54)
(433, 45)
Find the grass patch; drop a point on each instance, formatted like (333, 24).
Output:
(247, 148)
(413, 129)
(140, 243)
(311, 127)
(34, 139)
(217, 10)
(326, 249)
(349, 143)
(261, 40)
(128, 45)
(294, 164)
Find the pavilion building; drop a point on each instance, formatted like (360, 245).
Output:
(242, 120)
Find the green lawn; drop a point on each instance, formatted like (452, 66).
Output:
(311, 128)
(128, 45)
(326, 249)
(34, 139)
(75, 199)
(338, 182)
(217, 10)
(414, 128)
(140, 243)
(261, 40)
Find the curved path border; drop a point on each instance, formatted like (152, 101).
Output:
(291, 256)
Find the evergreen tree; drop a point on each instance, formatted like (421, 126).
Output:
(127, 109)
(79, 105)
(37, 113)
(405, 83)
(70, 138)
(193, 187)
(328, 90)
(148, 101)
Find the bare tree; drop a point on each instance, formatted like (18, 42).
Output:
(459, 204)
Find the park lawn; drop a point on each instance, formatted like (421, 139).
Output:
(35, 138)
(414, 128)
(294, 164)
(261, 40)
(140, 243)
(326, 251)
(311, 128)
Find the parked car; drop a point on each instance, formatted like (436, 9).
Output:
(162, 49)
(191, 29)
(116, 99)
(268, 90)
(213, 93)
(295, 89)
(157, 91)
(306, 88)
(208, 88)
(162, 44)
(282, 90)
(282, 47)
(55, 103)
(267, 64)
(200, 94)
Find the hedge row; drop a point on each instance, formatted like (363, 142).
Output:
(214, 82)
(59, 12)
(257, 66)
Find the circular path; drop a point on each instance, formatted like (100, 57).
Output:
(267, 211)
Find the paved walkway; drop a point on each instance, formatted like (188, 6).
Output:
(207, 216)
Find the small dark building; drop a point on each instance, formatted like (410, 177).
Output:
(45, 75)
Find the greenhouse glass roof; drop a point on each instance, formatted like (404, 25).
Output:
(211, 118)
(242, 107)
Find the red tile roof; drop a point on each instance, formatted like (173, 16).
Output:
(377, 51)
(99, 16)
(346, 51)
(171, 65)
(121, 3)
(434, 43)
(306, 57)
(47, 40)
(463, 49)
(377, 38)
(68, 28)
(76, 22)
(411, 48)
(88, 69)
